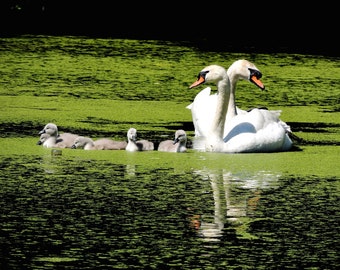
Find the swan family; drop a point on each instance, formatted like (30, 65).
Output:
(220, 126)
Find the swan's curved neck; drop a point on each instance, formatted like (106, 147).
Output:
(223, 88)
(231, 112)
(232, 88)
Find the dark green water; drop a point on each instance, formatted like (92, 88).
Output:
(81, 213)
(119, 210)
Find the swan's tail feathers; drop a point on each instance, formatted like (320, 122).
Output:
(290, 133)
(294, 137)
(286, 126)
(189, 106)
(296, 140)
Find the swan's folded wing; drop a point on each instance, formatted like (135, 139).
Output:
(203, 110)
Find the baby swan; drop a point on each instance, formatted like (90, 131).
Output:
(48, 141)
(87, 143)
(63, 140)
(140, 145)
(43, 138)
(176, 145)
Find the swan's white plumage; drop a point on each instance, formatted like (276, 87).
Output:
(222, 127)
(203, 110)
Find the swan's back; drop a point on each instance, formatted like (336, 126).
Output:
(87, 143)
(109, 144)
(145, 145)
(259, 130)
(271, 139)
(67, 139)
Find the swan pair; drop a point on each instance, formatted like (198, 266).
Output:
(220, 126)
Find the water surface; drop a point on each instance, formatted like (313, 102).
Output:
(153, 210)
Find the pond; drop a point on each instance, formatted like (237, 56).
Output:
(156, 210)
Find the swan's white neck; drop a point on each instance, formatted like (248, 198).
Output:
(232, 88)
(231, 112)
(217, 127)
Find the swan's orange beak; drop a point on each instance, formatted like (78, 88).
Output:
(257, 82)
(199, 81)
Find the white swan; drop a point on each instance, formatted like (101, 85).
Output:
(87, 143)
(63, 140)
(176, 145)
(231, 130)
(140, 145)
(204, 105)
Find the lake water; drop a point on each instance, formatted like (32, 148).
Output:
(153, 210)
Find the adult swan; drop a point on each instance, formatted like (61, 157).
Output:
(230, 129)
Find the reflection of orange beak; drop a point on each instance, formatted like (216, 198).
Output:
(199, 81)
(253, 201)
(195, 222)
(257, 82)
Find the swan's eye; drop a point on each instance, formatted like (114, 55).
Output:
(256, 73)
(202, 74)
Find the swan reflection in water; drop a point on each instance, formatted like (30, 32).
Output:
(235, 196)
